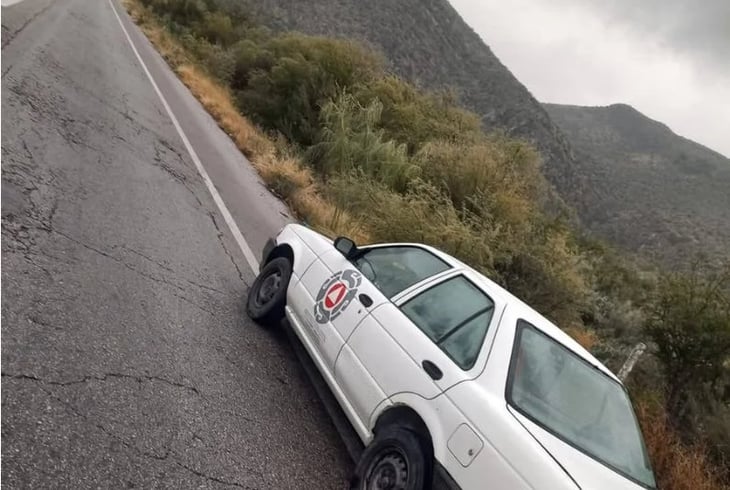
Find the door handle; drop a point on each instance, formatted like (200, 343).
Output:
(366, 300)
(432, 370)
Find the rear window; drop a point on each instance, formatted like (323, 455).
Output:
(576, 402)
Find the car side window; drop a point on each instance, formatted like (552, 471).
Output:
(455, 315)
(394, 269)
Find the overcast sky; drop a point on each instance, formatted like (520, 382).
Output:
(670, 59)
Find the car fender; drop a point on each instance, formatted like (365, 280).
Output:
(302, 254)
(442, 419)
(436, 413)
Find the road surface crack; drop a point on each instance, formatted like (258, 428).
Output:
(209, 477)
(104, 377)
(12, 35)
(225, 248)
(192, 303)
(38, 321)
(172, 172)
(161, 163)
(177, 153)
(146, 275)
(171, 270)
(146, 257)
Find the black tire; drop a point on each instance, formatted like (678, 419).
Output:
(267, 296)
(394, 460)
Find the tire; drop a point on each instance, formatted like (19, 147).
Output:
(394, 460)
(267, 295)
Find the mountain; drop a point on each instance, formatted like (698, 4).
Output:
(428, 43)
(651, 190)
(630, 179)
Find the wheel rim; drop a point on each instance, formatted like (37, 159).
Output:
(387, 472)
(269, 287)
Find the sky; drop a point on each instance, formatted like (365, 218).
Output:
(669, 59)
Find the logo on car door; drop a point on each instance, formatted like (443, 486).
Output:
(336, 294)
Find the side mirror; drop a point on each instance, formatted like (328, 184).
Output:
(346, 247)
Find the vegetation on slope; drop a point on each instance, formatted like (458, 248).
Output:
(641, 173)
(630, 180)
(427, 43)
(355, 150)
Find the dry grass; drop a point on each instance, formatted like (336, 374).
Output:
(287, 176)
(165, 44)
(677, 466)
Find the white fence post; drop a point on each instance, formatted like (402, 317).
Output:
(634, 356)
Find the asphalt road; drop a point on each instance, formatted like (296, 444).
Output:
(127, 359)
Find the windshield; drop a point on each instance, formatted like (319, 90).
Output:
(576, 402)
(393, 269)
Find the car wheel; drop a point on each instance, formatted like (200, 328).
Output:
(267, 296)
(394, 460)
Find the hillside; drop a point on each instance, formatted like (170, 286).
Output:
(652, 190)
(427, 42)
(630, 179)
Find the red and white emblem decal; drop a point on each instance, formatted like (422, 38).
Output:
(334, 296)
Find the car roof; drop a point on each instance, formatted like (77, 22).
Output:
(521, 309)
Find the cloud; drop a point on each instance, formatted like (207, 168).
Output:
(586, 53)
(699, 28)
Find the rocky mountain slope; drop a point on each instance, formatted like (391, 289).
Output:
(651, 190)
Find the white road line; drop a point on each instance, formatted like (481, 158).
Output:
(243, 245)
(8, 3)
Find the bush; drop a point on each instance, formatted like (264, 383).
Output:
(217, 28)
(421, 214)
(413, 117)
(218, 61)
(496, 178)
(547, 272)
(186, 12)
(349, 140)
(498, 181)
(690, 325)
(284, 83)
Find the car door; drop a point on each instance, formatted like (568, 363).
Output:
(337, 296)
(429, 339)
(449, 326)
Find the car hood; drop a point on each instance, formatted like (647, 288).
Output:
(314, 240)
(584, 470)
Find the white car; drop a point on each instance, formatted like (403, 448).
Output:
(447, 378)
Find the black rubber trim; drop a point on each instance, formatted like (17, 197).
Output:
(442, 480)
(268, 247)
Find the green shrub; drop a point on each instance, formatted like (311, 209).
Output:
(548, 272)
(186, 12)
(413, 117)
(421, 214)
(284, 83)
(217, 28)
(690, 324)
(497, 178)
(349, 140)
(217, 60)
